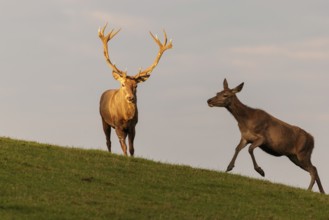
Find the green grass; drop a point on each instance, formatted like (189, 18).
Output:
(39, 181)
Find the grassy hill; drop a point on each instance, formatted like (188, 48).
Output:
(39, 181)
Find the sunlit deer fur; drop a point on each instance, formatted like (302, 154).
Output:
(260, 129)
(118, 107)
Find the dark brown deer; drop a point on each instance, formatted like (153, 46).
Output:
(260, 129)
(118, 107)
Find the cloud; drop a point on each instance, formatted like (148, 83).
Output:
(310, 50)
(122, 20)
(253, 65)
(257, 50)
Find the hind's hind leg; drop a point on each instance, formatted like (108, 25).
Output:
(314, 177)
(318, 181)
(306, 164)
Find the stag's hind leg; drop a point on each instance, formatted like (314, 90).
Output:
(107, 131)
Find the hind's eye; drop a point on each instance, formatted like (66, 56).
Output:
(123, 85)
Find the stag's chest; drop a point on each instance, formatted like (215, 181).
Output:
(122, 116)
(124, 123)
(129, 112)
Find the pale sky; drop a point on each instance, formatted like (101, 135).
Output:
(53, 74)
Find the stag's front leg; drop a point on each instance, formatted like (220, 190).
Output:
(240, 146)
(131, 137)
(122, 139)
(107, 131)
(255, 144)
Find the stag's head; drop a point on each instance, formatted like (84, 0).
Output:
(129, 83)
(225, 97)
(128, 86)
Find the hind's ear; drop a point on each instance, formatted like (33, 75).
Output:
(225, 84)
(238, 88)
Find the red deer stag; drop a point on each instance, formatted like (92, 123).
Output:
(272, 135)
(118, 107)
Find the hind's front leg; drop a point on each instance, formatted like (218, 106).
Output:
(240, 146)
(255, 144)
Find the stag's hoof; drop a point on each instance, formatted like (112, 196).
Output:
(260, 171)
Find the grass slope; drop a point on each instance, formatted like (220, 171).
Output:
(39, 181)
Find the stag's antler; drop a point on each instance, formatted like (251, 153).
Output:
(105, 39)
(145, 74)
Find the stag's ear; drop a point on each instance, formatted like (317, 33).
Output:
(141, 78)
(225, 84)
(238, 88)
(118, 77)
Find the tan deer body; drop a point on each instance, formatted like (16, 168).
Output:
(118, 107)
(260, 129)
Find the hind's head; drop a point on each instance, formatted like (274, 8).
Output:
(224, 97)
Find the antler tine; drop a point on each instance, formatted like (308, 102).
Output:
(156, 39)
(163, 46)
(103, 29)
(105, 39)
(169, 45)
(165, 35)
(111, 34)
(145, 74)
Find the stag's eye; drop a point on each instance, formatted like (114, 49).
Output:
(123, 85)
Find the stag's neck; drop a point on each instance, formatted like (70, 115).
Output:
(128, 110)
(240, 111)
